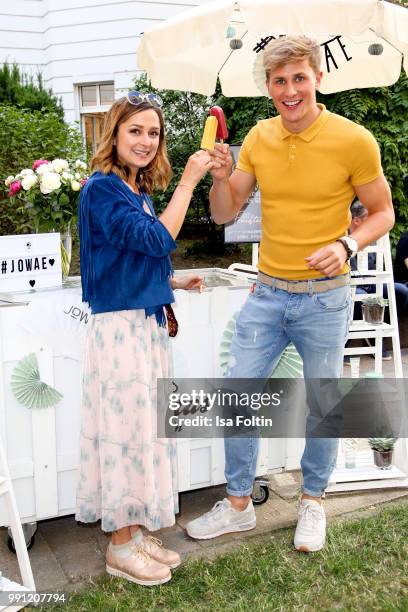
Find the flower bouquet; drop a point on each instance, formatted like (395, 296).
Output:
(48, 195)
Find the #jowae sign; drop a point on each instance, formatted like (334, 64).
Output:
(30, 261)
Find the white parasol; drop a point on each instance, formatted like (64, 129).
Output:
(364, 43)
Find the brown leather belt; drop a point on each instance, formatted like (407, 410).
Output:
(308, 286)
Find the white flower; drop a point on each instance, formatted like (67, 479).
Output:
(28, 181)
(59, 165)
(75, 186)
(78, 175)
(9, 180)
(50, 181)
(44, 169)
(67, 176)
(80, 164)
(26, 172)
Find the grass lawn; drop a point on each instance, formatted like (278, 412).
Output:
(364, 567)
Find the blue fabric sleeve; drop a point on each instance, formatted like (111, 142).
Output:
(124, 226)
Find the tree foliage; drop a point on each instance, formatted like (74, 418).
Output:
(19, 89)
(383, 111)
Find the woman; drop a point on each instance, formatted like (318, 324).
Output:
(127, 476)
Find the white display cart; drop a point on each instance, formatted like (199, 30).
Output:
(42, 445)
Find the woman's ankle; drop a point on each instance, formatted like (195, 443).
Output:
(121, 536)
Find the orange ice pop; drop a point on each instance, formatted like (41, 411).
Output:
(209, 134)
(222, 130)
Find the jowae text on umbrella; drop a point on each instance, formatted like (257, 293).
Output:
(330, 47)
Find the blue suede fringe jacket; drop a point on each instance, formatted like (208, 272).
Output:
(125, 261)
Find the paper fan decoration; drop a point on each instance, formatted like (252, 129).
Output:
(28, 388)
(60, 323)
(290, 364)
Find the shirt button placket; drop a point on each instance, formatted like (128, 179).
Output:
(292, 150)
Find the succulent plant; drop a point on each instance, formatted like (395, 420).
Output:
(375, 299)
(382, 444)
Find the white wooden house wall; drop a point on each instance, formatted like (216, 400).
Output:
(76, 42)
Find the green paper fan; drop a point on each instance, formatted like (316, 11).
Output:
(28, 388)
(290, 364)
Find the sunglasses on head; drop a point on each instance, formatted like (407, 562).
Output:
(137, 97)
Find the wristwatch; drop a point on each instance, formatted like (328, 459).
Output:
(350, 244)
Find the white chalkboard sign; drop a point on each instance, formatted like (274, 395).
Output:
(29, 262)
(246, 227)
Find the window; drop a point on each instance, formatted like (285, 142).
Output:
(94, 101)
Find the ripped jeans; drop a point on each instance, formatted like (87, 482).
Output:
(317, 324)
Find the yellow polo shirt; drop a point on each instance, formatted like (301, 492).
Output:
(306, 181)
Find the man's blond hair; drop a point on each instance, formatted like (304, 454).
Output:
(287, 49)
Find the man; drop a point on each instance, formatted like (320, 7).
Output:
(309, 165)
(401, 261)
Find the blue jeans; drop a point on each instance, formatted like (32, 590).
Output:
(317, 324)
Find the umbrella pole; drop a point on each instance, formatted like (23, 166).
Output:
(255, 255)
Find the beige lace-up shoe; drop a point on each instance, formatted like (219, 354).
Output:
(155, 550)
(137, 567)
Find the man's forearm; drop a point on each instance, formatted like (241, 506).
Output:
(376, 225)
(222, 204)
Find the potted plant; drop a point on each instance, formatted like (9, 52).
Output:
(49, 193)
(373, 309)
(383, 450)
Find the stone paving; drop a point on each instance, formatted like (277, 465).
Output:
(66, 555)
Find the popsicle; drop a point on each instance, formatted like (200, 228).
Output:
(222, 130)
(209, 134)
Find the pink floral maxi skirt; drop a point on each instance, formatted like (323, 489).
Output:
(126, 475)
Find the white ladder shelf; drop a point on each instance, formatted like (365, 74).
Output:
(359, 329)
(6, 491)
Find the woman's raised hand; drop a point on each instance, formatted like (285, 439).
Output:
(198, 165)
(173, 215)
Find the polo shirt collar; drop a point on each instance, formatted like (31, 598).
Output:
(309, 133)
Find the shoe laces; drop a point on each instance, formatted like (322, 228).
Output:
(140, 552)
(310, 515)
(153, 541)
(216, 509)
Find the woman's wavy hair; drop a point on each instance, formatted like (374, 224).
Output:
(157, 174)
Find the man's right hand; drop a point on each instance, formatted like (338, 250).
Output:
(224, 162)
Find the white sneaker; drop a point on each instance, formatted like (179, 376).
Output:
(310, 532)
(222, 518)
